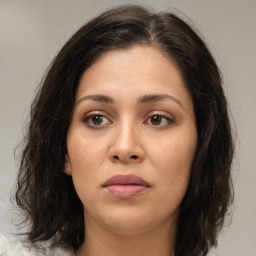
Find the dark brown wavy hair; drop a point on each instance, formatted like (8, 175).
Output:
(47, 196)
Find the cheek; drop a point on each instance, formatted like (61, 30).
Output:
(173, 160)
(85, 160)
(172, 182)
(85, 153)
(174, 155)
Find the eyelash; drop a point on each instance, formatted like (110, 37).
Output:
(161, 116)
(88, 120)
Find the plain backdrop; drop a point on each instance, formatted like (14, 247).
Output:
(32, 31)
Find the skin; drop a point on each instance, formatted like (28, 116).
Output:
(155, 140)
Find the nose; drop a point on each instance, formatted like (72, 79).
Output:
(127, 145)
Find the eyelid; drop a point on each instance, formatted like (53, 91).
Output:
(95, 112)
(91, 114)
(161, 113)
(165, 115)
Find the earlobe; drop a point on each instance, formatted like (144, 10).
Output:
(67, 166)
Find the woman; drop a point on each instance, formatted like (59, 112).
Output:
(129, 146)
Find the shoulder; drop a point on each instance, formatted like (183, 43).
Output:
(11, 246)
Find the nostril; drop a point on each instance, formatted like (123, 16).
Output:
(116, 157)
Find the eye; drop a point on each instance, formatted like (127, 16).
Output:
(96, 120)
(159, 120)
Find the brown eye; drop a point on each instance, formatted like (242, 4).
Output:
(97, 119)
(94, 120)
(159, 120)
(156, 119)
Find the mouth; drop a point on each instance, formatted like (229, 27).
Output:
(126, 186)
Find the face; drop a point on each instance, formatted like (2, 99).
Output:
(131, 141)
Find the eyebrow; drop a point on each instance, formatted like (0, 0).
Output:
(96, 97)
(144, 99)
(158, 97)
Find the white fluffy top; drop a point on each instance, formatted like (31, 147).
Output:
(11, 246)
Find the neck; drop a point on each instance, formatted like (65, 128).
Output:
(101, 242)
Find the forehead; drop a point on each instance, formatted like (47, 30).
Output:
(133, 72)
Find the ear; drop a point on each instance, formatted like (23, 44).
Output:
(67, 166)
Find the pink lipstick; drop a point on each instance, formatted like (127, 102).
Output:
(126, 186)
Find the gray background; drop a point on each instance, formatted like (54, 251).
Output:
(31, 32)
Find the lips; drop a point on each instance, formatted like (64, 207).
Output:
(125, 180)
(126, 186)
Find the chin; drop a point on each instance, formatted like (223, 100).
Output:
(126, 221)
